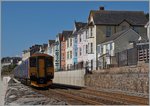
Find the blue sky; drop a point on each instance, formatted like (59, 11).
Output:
(27, 23)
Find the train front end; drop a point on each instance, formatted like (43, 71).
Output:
(41, 70)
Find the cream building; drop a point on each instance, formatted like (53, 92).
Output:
(69, 51)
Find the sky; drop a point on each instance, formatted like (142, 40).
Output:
(27, 23)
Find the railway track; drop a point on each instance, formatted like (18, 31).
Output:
(88, 96)
(69, 98)
(109, 97)
(99, 99)
(120, 97)
(78, 98)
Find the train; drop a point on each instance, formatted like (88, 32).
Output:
(37, 70)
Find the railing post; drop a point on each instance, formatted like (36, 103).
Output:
(127, 57)
(118, 59)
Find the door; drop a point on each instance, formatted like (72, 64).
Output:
(41, 68)
(91, 65)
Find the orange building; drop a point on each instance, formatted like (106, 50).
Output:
(63, 48)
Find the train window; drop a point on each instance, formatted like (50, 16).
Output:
(32, 62)
(49, 62)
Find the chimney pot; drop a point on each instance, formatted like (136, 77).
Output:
(101, 8)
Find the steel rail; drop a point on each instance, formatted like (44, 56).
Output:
(120, 96)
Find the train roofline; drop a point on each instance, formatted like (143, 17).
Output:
(40, 54)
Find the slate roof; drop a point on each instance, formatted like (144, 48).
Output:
(116, 35)
(60, 36)
(66, 33)
(83, 28)
(51, 41)
(45, 45)
(79, 25)
(103, 17)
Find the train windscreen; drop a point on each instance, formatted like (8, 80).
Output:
(32, 62)
(49, 62)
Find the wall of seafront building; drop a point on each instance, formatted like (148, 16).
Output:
(75, 77)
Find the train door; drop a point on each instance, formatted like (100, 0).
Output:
(41, 67)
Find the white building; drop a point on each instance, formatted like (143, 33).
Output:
(51, 47)
(83, 45)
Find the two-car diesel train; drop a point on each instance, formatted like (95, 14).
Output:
(37, 70)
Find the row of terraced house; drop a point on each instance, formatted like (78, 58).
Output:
(94, 44)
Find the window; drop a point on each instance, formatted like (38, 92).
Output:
(71, 54)
(70, 41)
(76, 54)
(91, 31)
(110, 46)
(107, 48)
(67, 55)
(80, 51)
(80, 38)
(83, 36)
(91, 47)
(86, 49)
(49, 62)
(86, 34)
(98, 49)
(70, 66)
(67, 66)
(108, 31)
(32, 62)
(75, 39)
(102, 49)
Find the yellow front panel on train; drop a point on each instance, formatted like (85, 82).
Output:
(50, 69)
(41, 68)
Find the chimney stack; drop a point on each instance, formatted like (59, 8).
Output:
(101, 8)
